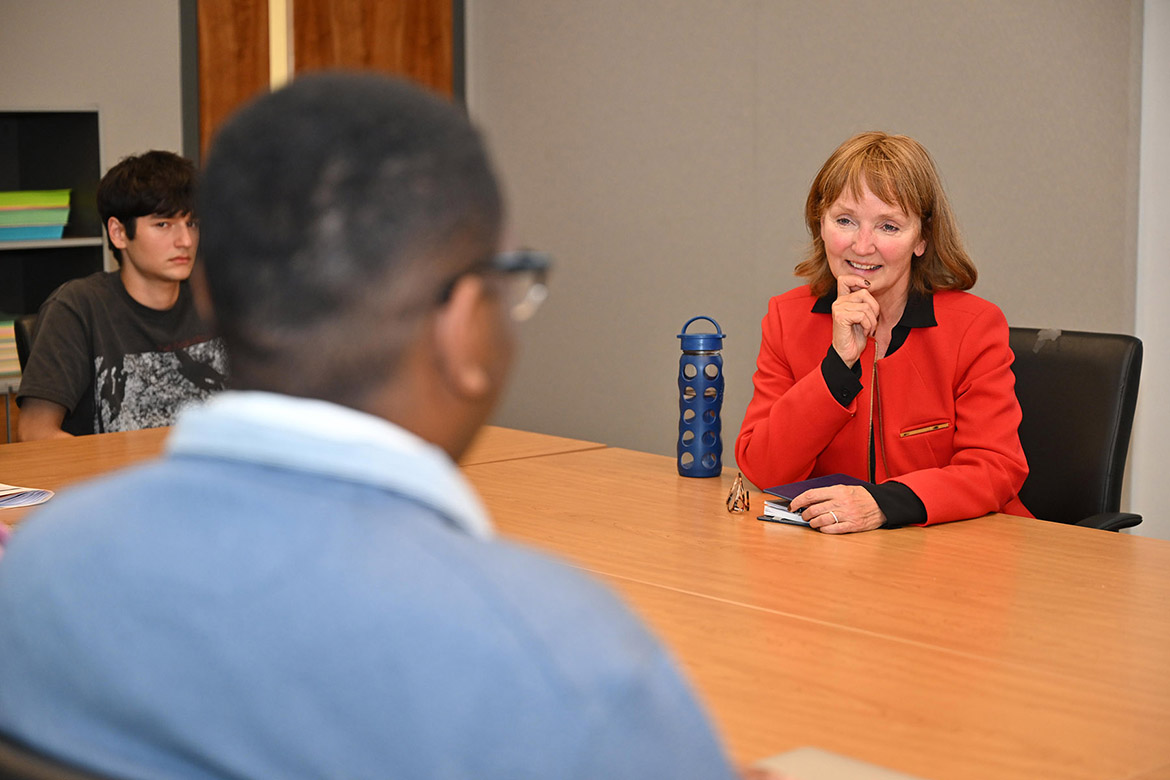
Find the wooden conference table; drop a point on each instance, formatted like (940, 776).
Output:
(55, 463)
(998, 647)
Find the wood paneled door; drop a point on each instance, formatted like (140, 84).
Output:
(233, 59)
(413, 38)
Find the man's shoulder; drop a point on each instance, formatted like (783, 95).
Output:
(89, 299)
(100, 284)
(276, 509)
(264, 563)
(363, 550)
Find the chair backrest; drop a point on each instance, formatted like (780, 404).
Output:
(1078, 392)
(23, 328)
(18, 762)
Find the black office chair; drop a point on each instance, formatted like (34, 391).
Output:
(23, 328)
(18, 762)
(1078, 392)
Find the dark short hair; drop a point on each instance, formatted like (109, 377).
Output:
(156, 182)
(332, 214)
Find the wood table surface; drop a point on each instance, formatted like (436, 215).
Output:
(998, 647)
(995, 647)
(56, 463)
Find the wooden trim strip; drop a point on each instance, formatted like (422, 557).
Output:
(279, 35)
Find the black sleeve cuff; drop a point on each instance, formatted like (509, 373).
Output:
(898, 503)
(843, 382)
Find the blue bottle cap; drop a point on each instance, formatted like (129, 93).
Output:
(702, 342)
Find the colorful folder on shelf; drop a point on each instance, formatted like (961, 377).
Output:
(34, 199)
(22, 217)
(31, 232)
(33, 215)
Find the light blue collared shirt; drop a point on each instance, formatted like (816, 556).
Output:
(299, 590)
(306, 434)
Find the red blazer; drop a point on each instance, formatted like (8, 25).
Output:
(945, 413)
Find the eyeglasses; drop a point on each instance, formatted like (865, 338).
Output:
(521, 275)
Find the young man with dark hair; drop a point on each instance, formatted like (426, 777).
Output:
(126, 349)
(305, 586)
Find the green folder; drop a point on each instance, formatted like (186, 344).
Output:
(34, 216)
(34, 199)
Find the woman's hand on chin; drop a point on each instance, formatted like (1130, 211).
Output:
(855, 317)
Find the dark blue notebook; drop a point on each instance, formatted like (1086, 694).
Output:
(791, 491)
(776, 510)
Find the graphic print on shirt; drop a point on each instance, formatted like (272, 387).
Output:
(146, 390)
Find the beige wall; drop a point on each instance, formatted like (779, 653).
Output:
(663, 149)
(1151, 445)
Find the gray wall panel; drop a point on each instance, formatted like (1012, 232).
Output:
(663, 150)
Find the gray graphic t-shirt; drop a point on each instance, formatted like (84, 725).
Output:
(117, 365)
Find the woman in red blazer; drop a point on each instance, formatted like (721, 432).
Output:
(881, 367)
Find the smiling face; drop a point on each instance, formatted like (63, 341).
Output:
(867, 237)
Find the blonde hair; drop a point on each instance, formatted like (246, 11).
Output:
(899, 171)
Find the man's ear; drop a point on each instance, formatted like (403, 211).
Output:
(201, 295)
(460, 339)
(117, 233)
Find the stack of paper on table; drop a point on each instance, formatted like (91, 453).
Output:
(12, 496)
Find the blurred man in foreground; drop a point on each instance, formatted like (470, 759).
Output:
(305, 586)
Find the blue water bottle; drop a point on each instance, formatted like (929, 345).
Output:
(700, 396)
